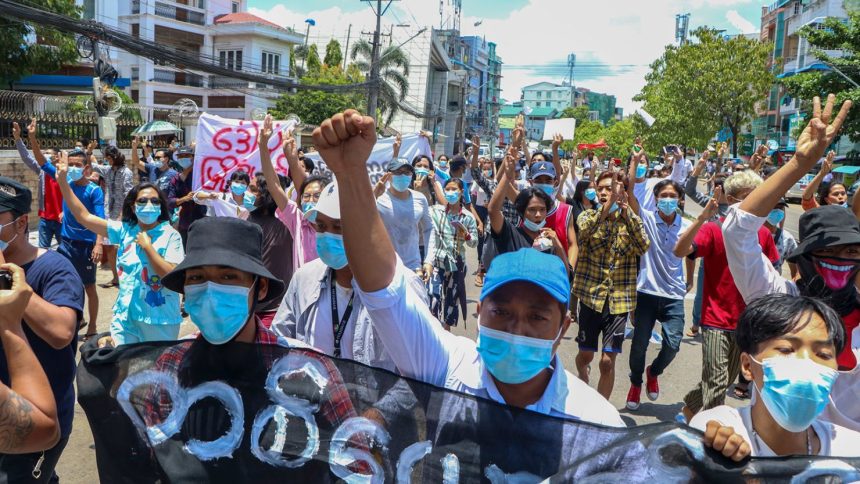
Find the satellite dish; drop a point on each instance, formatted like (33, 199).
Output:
(184, 108)
(84, 46)
(258, 114)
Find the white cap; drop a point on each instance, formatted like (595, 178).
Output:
(328, 205)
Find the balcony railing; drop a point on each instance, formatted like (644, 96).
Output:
(180, 14)
(178, 78)
(221, 82)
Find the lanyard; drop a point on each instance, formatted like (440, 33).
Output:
(338, 325)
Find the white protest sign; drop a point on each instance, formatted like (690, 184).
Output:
(225, 145)
(565, 126)
(649, 120)
(412, 145)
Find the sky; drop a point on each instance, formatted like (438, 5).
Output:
(614, 40)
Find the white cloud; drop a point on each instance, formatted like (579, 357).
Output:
(623, 36)
(740, 23)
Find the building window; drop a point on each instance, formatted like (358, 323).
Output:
(235, 7)
(135, 30)
(227, 102)
(797, 6)
(231, 59)
(539, 94)
(169, 98)
(271, 63)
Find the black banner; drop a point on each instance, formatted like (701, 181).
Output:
(195, 412)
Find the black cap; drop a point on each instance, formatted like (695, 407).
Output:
(14, 196)
(823, 227)
(185, 151)
(228, 242)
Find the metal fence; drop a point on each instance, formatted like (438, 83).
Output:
(63, 121)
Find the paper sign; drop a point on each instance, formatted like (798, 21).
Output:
(225, 145)
(566, 127)
(649, 120)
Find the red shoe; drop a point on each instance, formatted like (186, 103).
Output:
(633, 397)
(651, 385)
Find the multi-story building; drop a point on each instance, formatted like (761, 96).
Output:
(476, 56)
(601, 106)
(550, 95)
(494, 90)
(781, 22)
(220, 29)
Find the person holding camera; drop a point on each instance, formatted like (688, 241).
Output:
(51, 318)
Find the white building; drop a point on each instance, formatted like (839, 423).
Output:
(550, 95)
(217, 29)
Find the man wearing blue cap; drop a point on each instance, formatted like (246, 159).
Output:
(522, 309)
(543, 176)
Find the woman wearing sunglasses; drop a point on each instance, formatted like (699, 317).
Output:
(147, 249)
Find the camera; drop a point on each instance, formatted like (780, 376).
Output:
(5, 280)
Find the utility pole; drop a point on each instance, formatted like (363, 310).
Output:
(373, 96)
(346, 51)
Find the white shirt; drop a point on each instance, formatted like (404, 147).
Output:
(423, 350)
(661, 272)
(836, 441)
(321, 331)
(408, 224)
(222, 206)
(755, 277)
(680, 169)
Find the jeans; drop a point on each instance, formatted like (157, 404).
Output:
(649, 309)
(19, 468)
(700, 289)
(49, 229)
(482, 213)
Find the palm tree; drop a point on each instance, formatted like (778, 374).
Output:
(393, 72)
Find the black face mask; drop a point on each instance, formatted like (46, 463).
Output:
(844, 300)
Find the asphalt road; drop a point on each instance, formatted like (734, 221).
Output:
(77, 465)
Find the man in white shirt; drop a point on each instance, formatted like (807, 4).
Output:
(681, 167)
(523, 309)
(320, 307)
(788, 350)
(405, 214)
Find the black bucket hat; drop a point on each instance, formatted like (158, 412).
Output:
(228, 242)
(826, 226)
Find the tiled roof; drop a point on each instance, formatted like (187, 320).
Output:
(244, 18)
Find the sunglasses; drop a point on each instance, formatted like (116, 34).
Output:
(144, 201)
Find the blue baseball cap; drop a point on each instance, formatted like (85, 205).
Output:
(541, 168)
(529, 265)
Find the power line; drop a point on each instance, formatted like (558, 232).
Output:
(159, 53)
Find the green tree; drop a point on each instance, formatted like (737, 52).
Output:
(313, 61)
(333, 54)
(580, 113)
(393, 74)
(836, 35)
(313, 107)
(620, 135)
(27, 48)
(696, 89)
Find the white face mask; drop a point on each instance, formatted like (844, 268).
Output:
(4, 244)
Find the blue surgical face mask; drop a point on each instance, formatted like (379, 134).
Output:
(3, 244)
(452, 197)
(422, 171)
(795, 390)
(667, 206)
(547, 188)
(512, 358)
(641, 170)
(843, 205)
(238, 189)
(442, 164)
(591, 194)
(613, 208)
(75, 173)
(147, 214)
(158, 164)
(775, 217)
(401, 182)
(184, 162)
(220, 311)
(249, 201)
(534, 227)
(306, 206)
(331, 251)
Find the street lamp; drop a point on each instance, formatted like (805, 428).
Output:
(311, 23)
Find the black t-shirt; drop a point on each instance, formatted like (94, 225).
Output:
(509, 239)
(277, 252)
(54, 279)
